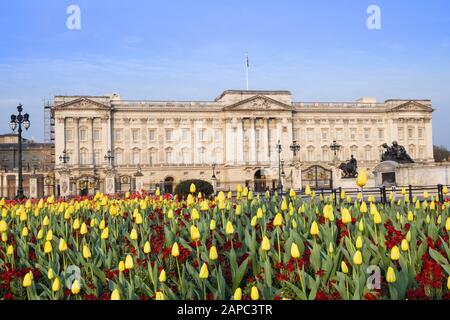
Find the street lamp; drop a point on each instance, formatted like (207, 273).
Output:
(279, 150)
(295, 148)
(109, 157)
(20, 120)
(64, 158)
(335, 147)
(214, 171)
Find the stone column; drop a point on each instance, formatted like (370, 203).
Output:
(429, 140)
(110, 182)
(264, 141)
(33, 187)
(240, 141)
(92, 142)
(228, 141)
(252, 141)
(76, 153)
(139, 181)
(64, 183)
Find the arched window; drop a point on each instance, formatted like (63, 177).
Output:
(136, 157)
(83, 156)
(186, 156)
(152, 157)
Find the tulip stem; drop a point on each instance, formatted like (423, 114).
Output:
(301, 279)
(279, 249)
(204, 289)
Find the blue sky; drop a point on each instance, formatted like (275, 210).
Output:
(194, 49)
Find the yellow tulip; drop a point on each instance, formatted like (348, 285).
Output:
(75, 287)
(48, 247)
(314, 229)
(259, 213)
(175, 250)
(133, 234)
(162, 276)
(147, 248)
(395, 253)
(83, 229)
(195, 215)
(27, 280)
(278, 221)
(102, 225)
(204, 273)
(377, 218)
(405, 245)
(250, 196)
(170, 214)
(115, 295)
(254, 293)
(330, 248)
(363, 207)
(357, 258)
(447, 224)
(205, 206)
(190, 200)
(284, 206)
(86, 252)
(46, 221)
(159, 296)
(56, 285)
(361, 180)
(10, 250)
(192, 188)
(229, 229)
(448, 283)
(254, 221)
(49, 236)
(390, 276)
(410, 216)
(62, 245)
(25, 232)
(121, 266)
(265, 245)
(3, 226)
(76, 224)
(213, 253)
(445, 192)
(361, 226)
(308, 190)
(212, 225)
(105, 233)
(129, 264)
(238, 210)
(295, 253)
(344, 267)
(195, 233)
(346, 217)
(138, 219)
(359, 242)
(238, 294)
(292, 193)
(50, 274)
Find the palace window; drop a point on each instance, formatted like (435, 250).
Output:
(421, 152)
(83, 157)
(368, 154)
(186, 135)
(151, 157)
(201, 134)
(186, 155)
(118, 134)
(367, 132)
(310, 134)
(310, 154)
(118, 157)
(97, 157)
(353, 134)
(135, 133)
(83, 135)
(420, 133)
(202, 155)
(151, 135)
(136, 157)
(325, 155)
(169, 135)
(69, 134)
(168, 156)
(97, 135)
(380, 134)
(217, 135)
(339, 135)
(410, 133)
(401, 136)
(325, 134)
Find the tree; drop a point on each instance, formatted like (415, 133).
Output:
(441, 153)
(201, 186)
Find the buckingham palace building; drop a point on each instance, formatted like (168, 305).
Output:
(106, 144)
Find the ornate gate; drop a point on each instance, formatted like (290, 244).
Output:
(317, 177)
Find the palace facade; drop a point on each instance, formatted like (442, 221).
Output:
(233, 138)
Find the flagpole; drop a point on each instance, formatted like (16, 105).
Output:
(247, 69)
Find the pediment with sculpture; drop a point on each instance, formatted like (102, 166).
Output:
(259, 103)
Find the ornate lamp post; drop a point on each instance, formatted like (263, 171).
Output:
(109, 158)
(295, 148)
(214, 171)
(64, 158)
(20, 120)
(280, 185)
(335, 147)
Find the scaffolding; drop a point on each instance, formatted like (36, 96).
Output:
(49, 124)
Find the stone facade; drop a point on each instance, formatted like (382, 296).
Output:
(38, 167)
(170, 141)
